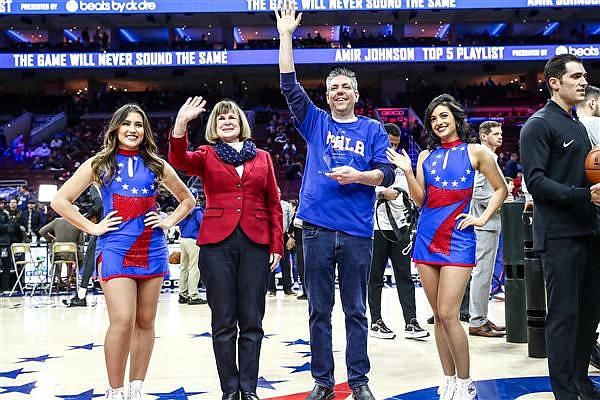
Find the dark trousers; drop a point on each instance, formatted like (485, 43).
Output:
(572, 274)
(464, 304)
(286, 271)
(382, 250)
(89, 262)
(325, 249)
(299, 256)
(5, 267)
(236, 272)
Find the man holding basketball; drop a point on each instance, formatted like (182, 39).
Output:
(554, 148)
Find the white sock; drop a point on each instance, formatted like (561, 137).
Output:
(449, 380)
(464, 383)
(137, 384)
(117, 390)
(81, 292)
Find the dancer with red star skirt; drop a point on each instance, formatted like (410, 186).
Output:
(131, 252)
(444, 246)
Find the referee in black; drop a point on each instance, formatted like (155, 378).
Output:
(554, 145)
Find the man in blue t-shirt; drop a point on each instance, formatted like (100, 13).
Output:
(345, 161)
(189, 275)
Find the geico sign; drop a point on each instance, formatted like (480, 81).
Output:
(590, 51)
(119, 6)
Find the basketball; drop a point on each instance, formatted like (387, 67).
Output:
(592, 165)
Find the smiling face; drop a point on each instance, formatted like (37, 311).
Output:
(341, 97)
(443, 124)
(131, 132)
(228, 127)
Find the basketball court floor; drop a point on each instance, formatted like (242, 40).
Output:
(48, 351)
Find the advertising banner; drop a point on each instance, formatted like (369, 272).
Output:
(208, 6)
(302, 56)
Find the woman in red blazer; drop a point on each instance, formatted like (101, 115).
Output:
(240, 237)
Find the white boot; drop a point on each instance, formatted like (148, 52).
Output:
(465, 389)
(134, 390)
(114, 394)
(448, 387)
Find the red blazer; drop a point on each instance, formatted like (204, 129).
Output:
(252, 201)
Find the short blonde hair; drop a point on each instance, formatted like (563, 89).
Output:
(224, 107)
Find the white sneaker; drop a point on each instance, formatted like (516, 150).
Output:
(134, 390)
(114, 394)
(448, 388)
(379, 330)
(465, 390)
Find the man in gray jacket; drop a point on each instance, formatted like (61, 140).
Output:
(588, 112)
(284, 264)
(488, 236)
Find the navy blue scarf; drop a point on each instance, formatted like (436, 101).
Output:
(231, 156)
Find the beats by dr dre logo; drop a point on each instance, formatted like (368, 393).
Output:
(119, 6)
(579, 51)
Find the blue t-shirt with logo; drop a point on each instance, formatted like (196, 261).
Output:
(190, 225)
(363, 142)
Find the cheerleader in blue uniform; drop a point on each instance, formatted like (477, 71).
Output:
(131, 253)
(444, 246)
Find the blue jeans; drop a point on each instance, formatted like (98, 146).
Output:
(323, 250)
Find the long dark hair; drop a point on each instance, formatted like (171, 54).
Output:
(105, 162)
(460, 117)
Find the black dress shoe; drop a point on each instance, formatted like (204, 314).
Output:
(231, 396)
(362, 393)
(192, 302)
(182, 300)
(595, 357)
(588, 391)
(249, 396)
(75, 302)
(590, 396)
(320, 393)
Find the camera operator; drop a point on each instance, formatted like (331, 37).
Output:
(393, 240)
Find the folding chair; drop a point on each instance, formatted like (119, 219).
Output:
(42, 276)
(64, 253)
(19, 265)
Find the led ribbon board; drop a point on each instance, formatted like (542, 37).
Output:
(221, 6)
(155, 59)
